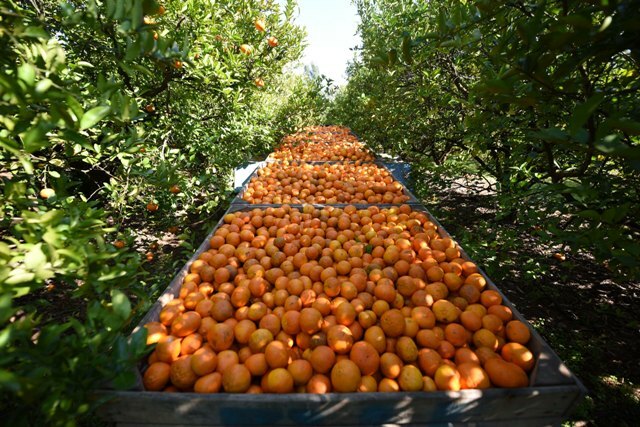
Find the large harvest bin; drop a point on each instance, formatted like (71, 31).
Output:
(552, 394)
(398, 170)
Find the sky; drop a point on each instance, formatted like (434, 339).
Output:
(331, 32)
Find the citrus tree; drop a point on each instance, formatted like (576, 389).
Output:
(541, 96)
(116, 116)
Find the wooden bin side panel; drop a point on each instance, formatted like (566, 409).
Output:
(490, 407)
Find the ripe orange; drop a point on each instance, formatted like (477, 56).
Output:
(301, 371)
(280, 381)
(505, 374)
(322, 359)
(209, 383)
(182, 376)
(236, 379)
(472, 376)
(519, 354)
(246, 49)
(366, 357)
(345, 376)
(319, 384)
(518, 332)
(204, 361)
(260, 24)
(47, 193)
(410, 378)
(156, 376)
(392, 323)
(447, 378)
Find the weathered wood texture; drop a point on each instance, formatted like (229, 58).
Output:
(535, 406)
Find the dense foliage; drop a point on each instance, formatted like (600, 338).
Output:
(113, 115)
(539, 97)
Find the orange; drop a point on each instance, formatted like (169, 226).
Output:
(490, 297)
(470, 320)
(243, 330)
(236, 379)
(428, 384)
(390, 365)
(501, 311)
(319, 384)
(366, 357)
(445, 311)
(520, 355)
(392, 323)
(340, 339)
(376, 337)
(465, 354)
(301, 371)
(388, 385)
(367, 384)
(407, 349)
(456, 334)
(257, 364)
(190, 344)
(155, 331)
(472, 376)
(428, 338)
(485, 338)
(168, 349)
(259, 340)
(429, 361)
(492, 323)
(277, 354)
(310, 320)
(518, 332)
(156, 376)
(220, 336)
(505, 374)
(345, 376)
(204, 361)
(424, 317)
(322, 359)
(210, 383)
(280, 381)
(226, 359)
(410, 378)
(447, 378)
(182, 376)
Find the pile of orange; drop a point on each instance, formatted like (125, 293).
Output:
(330, 183)
(322, 143)
(334, 300)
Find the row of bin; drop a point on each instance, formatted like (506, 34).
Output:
(552, 394)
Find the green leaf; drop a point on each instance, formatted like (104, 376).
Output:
(35, 258)
(93, 116)
(121, 304)
(613, 146)
(27, 73)
(583, 111)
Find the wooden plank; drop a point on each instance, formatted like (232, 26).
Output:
(477, 406)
